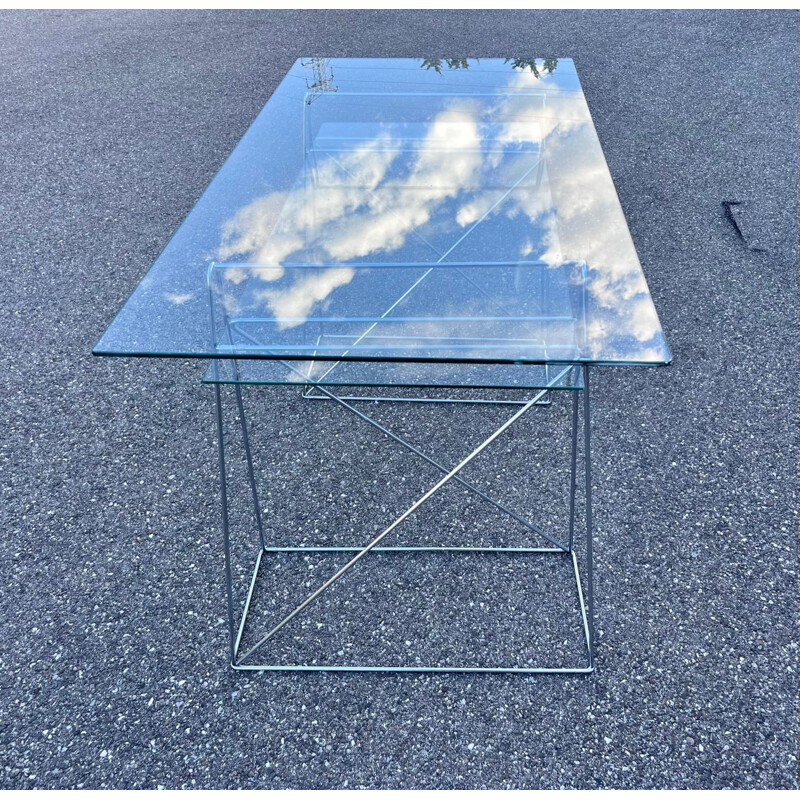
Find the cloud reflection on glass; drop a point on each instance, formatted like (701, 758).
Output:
(451, 210)
(526, 166)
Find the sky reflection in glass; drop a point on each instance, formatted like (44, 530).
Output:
(400, 209)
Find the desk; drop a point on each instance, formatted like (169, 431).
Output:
(406, 231)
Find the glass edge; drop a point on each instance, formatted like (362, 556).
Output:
(364, 360)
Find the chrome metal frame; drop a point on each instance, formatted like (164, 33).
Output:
(308, 394)
(585, 600)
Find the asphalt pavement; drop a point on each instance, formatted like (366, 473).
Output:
(113, 643)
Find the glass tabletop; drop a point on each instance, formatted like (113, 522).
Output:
(452, 211)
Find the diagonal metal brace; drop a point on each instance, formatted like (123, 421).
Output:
(529, 525)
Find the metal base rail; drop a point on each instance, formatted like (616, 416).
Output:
(480, 401)
(586, 602)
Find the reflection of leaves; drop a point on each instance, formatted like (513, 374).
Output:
(452, 63)
(547, 66)
(436, 63)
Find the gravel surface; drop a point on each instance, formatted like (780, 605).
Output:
(113, 656)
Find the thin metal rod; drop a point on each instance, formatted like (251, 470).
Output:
(587, 455)
(573, 471)
(416, 549)
(530, 526)
(480, 401)
(225, 527)
(250, 474)
(582, 606)
(342, 668)
(310, 599)
(247, 601)
(490, 210)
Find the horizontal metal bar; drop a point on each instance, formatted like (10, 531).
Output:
(449, 338)
(309, 396)
(239, 350)
(342, 668)
(415, 549)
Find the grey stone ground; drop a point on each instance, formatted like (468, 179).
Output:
(112, 658)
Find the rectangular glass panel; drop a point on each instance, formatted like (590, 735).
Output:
(393, 374)
(403, 209)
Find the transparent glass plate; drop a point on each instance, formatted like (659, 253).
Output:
(406, 210)
(391, 374)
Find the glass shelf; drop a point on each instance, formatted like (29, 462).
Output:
(392, 375)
